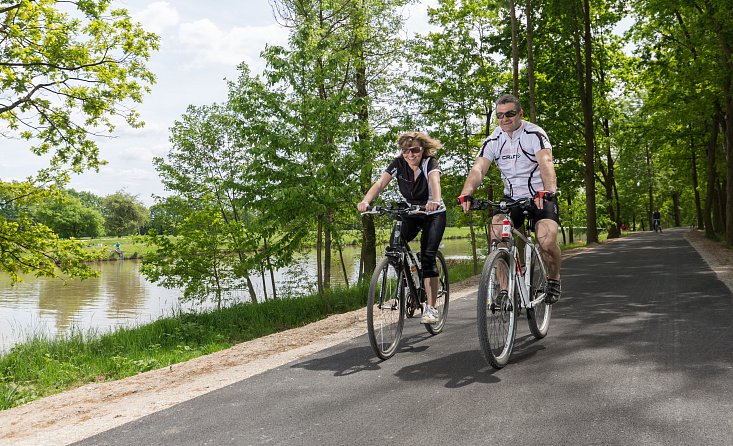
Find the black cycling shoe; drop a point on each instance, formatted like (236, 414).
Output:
(553, 291)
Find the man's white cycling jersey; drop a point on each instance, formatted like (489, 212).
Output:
(516, 158)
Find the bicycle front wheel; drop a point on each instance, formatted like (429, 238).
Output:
(386, 308)
(443, 296)
(538, 317)
(496, 310)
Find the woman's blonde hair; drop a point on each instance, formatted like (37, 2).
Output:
(430, 145)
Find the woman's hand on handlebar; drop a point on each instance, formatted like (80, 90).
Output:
(431, 206)
(362, 206)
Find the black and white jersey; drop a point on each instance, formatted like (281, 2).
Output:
(415, 189)
(516, 158)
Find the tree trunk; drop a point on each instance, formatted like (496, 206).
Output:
(264, 284)
(571, 234)
(368, 248)
(614, 230)
(319, 255)
(343, 265)
(515, 49)
(530, 63)
(327, 253)
(369, 238)
(585, 83)
(251, 288)
(696, 185)
(676, 208)
(711, 180)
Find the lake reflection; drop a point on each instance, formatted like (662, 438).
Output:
(120, 296)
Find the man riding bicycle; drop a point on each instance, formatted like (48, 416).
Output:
(523, 154)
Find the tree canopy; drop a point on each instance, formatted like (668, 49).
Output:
(69, 73)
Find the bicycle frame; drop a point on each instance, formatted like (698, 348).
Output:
(406, 259)
(522, 274)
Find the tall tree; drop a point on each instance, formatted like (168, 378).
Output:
(124, 213)
(454, 91)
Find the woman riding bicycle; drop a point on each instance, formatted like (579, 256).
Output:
(418, 177)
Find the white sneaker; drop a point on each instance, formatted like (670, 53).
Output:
(429, 315)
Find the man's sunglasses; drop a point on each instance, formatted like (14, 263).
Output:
(412, 149)
(509, 114)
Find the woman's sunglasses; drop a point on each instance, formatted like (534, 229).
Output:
(412, 149)
(509, 114)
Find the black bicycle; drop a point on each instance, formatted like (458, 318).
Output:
(396, 290)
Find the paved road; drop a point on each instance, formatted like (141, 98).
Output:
(640, 352)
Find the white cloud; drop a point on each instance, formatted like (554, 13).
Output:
(157, 17)
(211, 45)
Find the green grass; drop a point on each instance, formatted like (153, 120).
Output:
(131, 247)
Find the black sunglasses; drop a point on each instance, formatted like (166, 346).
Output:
(509, 114)
(412, 149)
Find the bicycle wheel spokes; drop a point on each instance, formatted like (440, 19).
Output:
(538, 316)
(386, 308)
(496, 310)
(443, 296)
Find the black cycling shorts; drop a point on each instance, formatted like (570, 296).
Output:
(551, 210)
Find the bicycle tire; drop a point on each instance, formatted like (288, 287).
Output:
(443, 298)
(496, 314)
(386, 308)
(538, 317)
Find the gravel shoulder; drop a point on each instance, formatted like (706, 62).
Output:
(85, 411)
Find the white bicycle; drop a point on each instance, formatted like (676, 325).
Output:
(508, 285)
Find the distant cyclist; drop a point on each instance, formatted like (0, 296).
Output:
(656, 221)
(418, 178)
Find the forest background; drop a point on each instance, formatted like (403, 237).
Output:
(638, 122)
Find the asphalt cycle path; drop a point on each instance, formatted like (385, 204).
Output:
(640, 351)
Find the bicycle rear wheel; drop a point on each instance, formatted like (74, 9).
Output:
(538, 317)
(386, 308)
(496, 311)
(443, 297)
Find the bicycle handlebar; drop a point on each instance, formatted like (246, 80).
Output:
(396, 211)
(505, 204)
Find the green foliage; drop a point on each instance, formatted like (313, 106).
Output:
(91, 59)
(197, 260)
(68, 217)
(31, 247)
(68, 71)
(124, 213)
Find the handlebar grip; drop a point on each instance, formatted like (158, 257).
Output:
(464, 198)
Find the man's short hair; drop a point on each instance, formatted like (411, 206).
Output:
(509, 99)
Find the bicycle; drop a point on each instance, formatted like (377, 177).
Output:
(396, 290)
(656, 225)
(507, 285)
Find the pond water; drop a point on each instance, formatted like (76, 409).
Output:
(122, 297)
